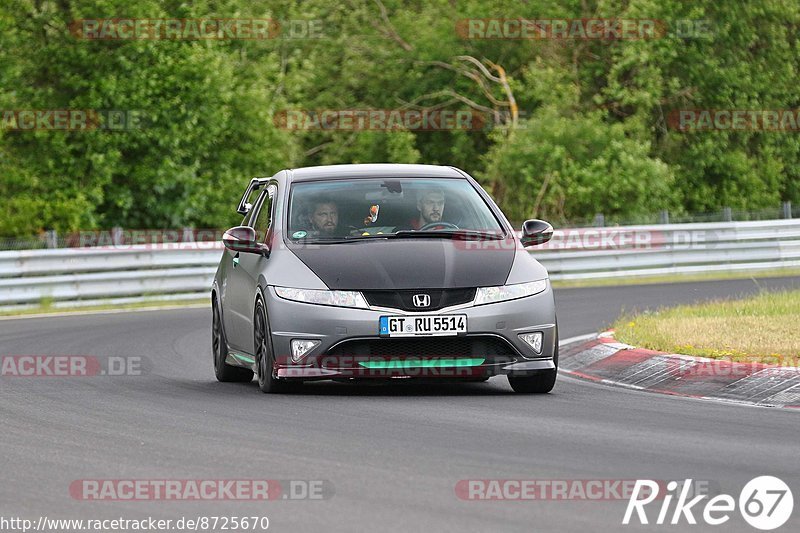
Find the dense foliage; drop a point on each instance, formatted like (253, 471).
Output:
(578, 126)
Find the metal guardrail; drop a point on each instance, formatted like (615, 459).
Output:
(84, 276)
(596, 253)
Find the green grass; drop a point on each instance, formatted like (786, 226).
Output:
(677, 278)
(764, 328)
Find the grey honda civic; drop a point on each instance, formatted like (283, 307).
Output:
(381, 272)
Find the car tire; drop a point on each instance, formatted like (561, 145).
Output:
(219, 349)
(265, 360)
(539, 383)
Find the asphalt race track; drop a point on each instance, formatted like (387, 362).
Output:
(393, 454)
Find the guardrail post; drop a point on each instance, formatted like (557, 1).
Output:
(663, 217)
(599, 220)
(116, 236)
(727, 214)
(786, 210)
(51, 238)
(188, 235)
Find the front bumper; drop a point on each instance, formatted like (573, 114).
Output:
(492, 345)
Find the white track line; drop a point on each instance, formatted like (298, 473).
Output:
(577, 338)
(107, 311)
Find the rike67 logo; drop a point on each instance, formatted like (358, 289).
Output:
(765, 503)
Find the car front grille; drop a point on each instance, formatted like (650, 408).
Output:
(404, 300)
(478, 345)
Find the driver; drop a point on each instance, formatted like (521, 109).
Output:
(323, 215)
(430, 204)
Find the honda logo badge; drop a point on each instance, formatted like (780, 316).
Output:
(422, 300)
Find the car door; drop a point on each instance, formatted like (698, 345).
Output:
(230, 290)
(243, 277)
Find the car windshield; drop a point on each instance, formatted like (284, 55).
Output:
(354, 209)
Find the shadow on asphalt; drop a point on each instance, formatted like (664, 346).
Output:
(391, 388)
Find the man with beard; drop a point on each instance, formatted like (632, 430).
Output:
(430, 204)
(323, 215)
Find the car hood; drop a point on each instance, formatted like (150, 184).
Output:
(409, 263)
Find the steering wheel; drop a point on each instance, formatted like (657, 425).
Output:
(438, 225)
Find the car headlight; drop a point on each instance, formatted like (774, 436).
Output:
(489, 295)
(320, 297)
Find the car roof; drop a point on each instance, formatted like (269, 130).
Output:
(374, 170)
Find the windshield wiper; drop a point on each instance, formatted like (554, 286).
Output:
(403, 234)
(457, 234)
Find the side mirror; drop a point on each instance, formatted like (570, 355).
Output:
(244, 239)
(536, 232)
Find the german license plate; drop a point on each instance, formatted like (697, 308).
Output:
(428, 325)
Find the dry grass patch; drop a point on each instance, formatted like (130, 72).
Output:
(763, 328)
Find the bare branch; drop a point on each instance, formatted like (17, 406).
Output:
(509, 93)
(459, 97)
(480, 66)
(471, 75)
(463, 99)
